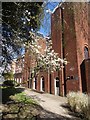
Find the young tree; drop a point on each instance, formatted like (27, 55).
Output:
(47, 61)
(51, 60)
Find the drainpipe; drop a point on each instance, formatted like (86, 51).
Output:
(63, 52)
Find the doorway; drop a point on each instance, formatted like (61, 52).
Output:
(35, 83)
(57, 86)
(42, 84)
(83, 77)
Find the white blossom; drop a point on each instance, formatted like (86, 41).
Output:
(26, 10)
(49, 60)
(29, 13)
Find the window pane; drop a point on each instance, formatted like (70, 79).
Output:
(57, 83)
(86, 54)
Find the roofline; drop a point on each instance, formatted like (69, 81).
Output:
(59, 5)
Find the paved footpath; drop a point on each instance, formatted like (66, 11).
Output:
(51, 103)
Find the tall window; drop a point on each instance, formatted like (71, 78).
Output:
(86, 53)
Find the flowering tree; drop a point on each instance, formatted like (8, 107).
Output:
(49, 60)
(34, 53)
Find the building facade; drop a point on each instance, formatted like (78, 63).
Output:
(30, 63)
(18, 69)
(70, 27)
(25, 64)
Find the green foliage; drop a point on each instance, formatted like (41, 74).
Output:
(21, 97)
(13, 12)
(18, 18)
(8, 76)
(79, 103)
(10, 83)
(16, 84)
(8, 91)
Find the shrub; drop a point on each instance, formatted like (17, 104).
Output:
(78, 102)
(16, 84)
(9, 83)
(21, 97)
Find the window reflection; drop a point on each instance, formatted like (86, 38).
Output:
(86, 53)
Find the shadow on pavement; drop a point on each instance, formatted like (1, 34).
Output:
(46, 115)
(42, 115)
(70, 112)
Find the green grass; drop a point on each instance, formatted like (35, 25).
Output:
(21, 97)
(15, 94)
(8, 91)
(22, 106)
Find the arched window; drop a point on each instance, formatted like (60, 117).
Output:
(86, 53)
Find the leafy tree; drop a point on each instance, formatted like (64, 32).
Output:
(17, 20)
(22, 16)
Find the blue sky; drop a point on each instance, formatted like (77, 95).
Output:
(46, 23)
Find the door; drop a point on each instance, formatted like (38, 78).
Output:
(42, 84)
(83, 77)
(34, 83)
(57, 92)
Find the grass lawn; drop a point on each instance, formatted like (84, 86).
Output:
(17, 105)
(8, 91)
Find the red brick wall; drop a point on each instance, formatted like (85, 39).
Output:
(75, 39)
(89, 28)
(29, 61)
(42, 43)
(69, 44)
(81, 27)
(45, 75)
(70, 48)
(56, 36)
(25, 72)
(56, 31)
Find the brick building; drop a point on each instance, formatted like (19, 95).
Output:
(25, 64)
(70, 37)
(70, 27)
(18, 66)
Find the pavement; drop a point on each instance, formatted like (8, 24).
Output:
(52, 103)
